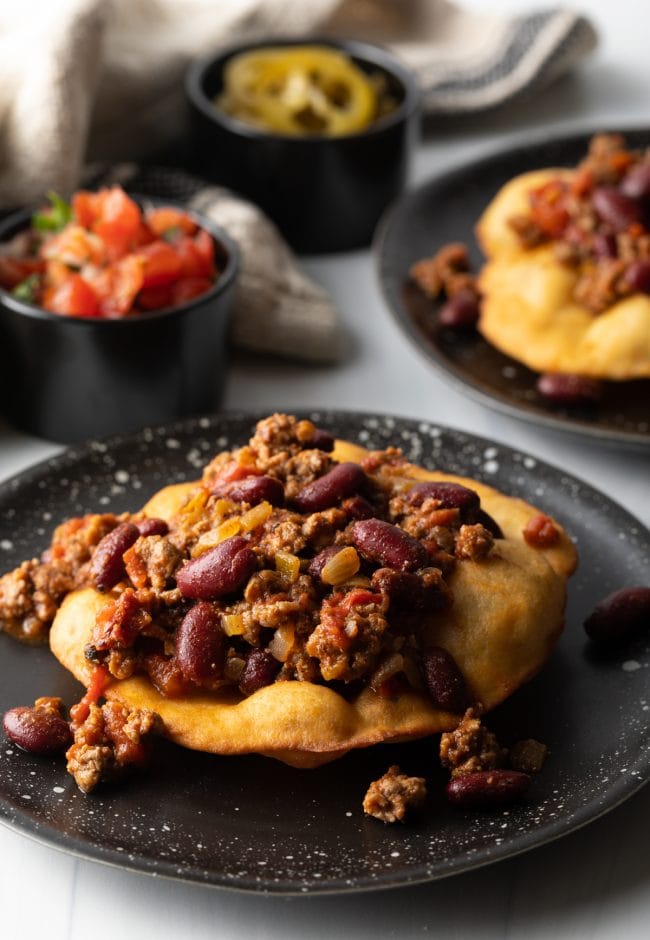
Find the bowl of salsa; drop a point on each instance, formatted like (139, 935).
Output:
(114, 314)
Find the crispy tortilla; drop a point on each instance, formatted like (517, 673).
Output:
(528, 311)
(507, 614)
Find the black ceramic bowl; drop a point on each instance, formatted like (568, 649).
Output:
(69, 378)
(324, 193)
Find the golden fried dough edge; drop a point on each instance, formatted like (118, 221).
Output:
(511, 604)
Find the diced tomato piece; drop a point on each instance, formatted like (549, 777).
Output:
(167, 219)
(197, 255)
(190, 287)
(156, 298)
(119, 221)
(192, 262)
(56, 273)
(620, 161)
(162, 264)
(15, 270)
(73, 298)
(549, 207)
(117, 285)
(234, 471)
(359, 596)
(85, 207)
(205, 245)
(128, 278)
(144, 236)
(583, 181)
(74, 246)
(99, 679)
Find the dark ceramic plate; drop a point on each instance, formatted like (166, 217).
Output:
(445, 210)
(254, 824)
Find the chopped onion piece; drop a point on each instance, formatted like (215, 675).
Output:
(233, 624)
(256, 516)
(282, 642)
(341, 567)
(288, 565)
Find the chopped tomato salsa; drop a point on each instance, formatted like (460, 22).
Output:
(103, 256)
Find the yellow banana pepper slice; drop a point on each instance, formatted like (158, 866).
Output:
(299, 90)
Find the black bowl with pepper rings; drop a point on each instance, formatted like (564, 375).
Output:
(325, 193)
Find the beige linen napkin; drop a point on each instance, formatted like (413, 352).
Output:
(102, 80)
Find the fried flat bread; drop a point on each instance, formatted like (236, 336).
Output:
(507, 614)
(528, 310)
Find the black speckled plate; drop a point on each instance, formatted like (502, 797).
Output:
(445, 210)
(254, 824)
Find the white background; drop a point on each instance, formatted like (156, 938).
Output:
(592, 884)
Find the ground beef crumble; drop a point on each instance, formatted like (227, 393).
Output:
(349, 637)
(112, 740)
(152, 561)
(392, 797)
(473, 542)
(30, 595)
(470, 747)
(446, 272)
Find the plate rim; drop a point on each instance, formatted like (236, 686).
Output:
(519, 145)
(622, 789)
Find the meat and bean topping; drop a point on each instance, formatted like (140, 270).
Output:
(598, 222)
(282, 564)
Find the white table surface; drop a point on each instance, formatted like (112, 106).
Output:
(592, 884)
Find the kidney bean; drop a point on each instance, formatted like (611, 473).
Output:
(461, 311)
(341, 481)
(38, 730)
(636, 182)
(321, 440)
(450, 496)
(619, 616)
(200, 643)
(152, 527)
(219, 571)
(485, 788)
(358, 508)
(255, 490)
(637, 277)
(319, 561)
(562, 388)
(388, 545)
(259, 670)
(107, 566)
(444, 680)
(409, 592)
(604, 245)
(615, 208)
(489, 523)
